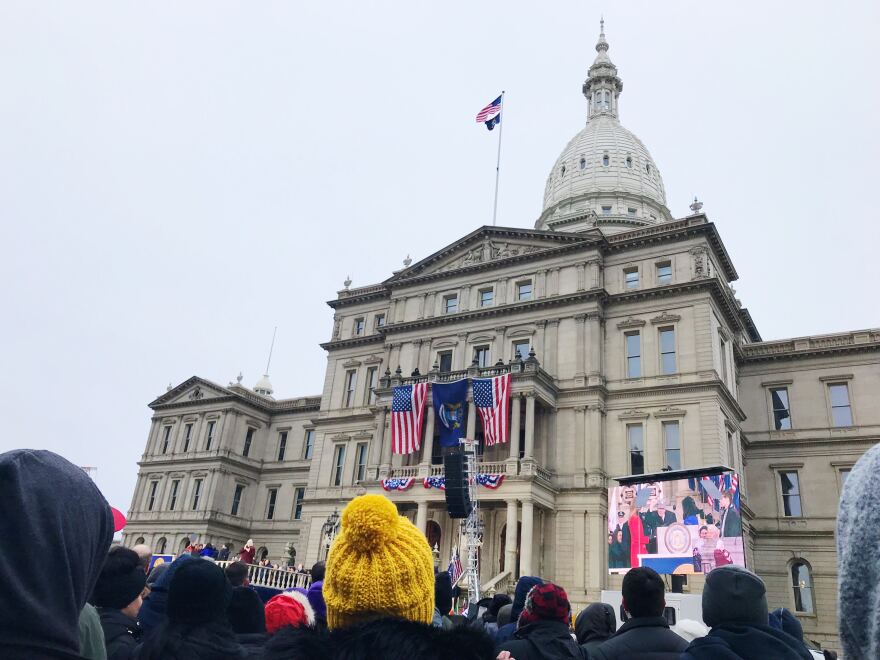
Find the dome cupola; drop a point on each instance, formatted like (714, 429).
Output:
(605, 176)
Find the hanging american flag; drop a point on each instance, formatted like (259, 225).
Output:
(492, 398)
(407, 414)
(491, 114)
(455, 568)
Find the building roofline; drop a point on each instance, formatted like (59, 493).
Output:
(812, 346)
(233, 393)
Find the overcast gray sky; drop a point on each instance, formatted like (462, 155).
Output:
(178, 178)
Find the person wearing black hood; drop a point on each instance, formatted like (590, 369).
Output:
(523, 586)
(117, 595)
(594, 625)
(196, 628)
(247, 618)
(51, 508)
(442, 600)
(735, 606)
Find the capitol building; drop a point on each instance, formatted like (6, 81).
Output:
(628, 352)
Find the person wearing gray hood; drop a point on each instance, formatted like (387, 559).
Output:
(858, 537)
(594, 625)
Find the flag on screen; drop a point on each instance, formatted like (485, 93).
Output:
(491, 114)
(492, 399)
(407, 414)
(455, 569)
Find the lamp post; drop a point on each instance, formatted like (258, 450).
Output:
(329, 530)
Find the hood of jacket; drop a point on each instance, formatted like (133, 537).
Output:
(731, 642)
(543, 640)
(53, 515)
(858, 537)
(523, 587)
(153, 610)
(597, 622)
(179, 641)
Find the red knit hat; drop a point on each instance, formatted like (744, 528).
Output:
(288, 609)
(545, 602)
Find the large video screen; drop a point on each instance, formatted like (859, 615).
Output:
(678, 527)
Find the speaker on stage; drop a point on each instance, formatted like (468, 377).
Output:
(458, 499)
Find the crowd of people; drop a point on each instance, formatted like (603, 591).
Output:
(378, 596)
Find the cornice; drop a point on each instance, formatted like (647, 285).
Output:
(857, 341)
(365, 340)
(353, 297)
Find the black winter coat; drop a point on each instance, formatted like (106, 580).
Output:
(253, 643)
(544, 640)
(752, 642)
(644, 638)
(174, 641)
(121, 633)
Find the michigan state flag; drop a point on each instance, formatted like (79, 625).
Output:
(450, 404)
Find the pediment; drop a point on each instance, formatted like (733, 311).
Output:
(488, 245)
(191, 391)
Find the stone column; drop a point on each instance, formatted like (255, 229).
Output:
(580, 353)
(530, 428)
(594, 340)
(580, 441)
(525, 552)
(471, 420)
(422, 516)
(514, 426)
(428, 444)
(510, 539)
(541, 284)
(384, 453)
(551, 341)
(151, 437)
(581, 277)
(214, 477)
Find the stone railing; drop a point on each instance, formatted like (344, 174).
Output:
(274, 578)
(405, 471)
(802, 345)
(493, 467)
(500, 584)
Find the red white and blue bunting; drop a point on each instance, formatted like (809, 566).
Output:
(398, 484)
(492, 481)
(434, 482)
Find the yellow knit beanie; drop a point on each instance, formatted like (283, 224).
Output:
(379, 565)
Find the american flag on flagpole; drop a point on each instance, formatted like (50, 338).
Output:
(455, 568)
(407, 414)
(492, 400)
(491, 114)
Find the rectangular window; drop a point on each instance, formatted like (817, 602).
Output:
(270, 503)
(350, 387)
(667, 351)
(635, 440)
(210, 439)
(450, 304)
(487, 297)
(791, 494)
(380, 320)
(282, 445)
(521, 349)
(175, 486)
(359, 326)
(338, 463)
(633, 355)
(444, 359)
(187, 436)
(524, 290)
(722, 349)
(672, 445)
(166, 439)
(664, 273)
(248, 441)
(299, 494)
(236, 498)
(606, 210)
(481, 356)
(151, 500)
(631, 212)
(197, 493)
(841, 413)
(372, 383)
(309, 444)
(361, 460)
(844, 473)
(781, 409)
(631, 278)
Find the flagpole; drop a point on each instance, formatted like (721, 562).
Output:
(498, 162)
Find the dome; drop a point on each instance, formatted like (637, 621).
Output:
(605, 176)
(264, 386)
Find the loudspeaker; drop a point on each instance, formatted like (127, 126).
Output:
(458, 499)
(678, 582)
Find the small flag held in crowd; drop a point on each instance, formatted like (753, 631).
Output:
(407, 414)
(491, 398)
(455, 569)
(491, 114)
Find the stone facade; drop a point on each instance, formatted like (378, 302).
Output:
(554, 306)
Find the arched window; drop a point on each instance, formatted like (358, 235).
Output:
(563, 170)
(435, 533)
(160, 546)
(583, 163)
(629, 161)
(184, 544)
(605, 160)
(139, 540)
(802, 586)
(647, 168)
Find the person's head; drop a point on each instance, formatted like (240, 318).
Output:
(498, 601)
(443, 592)
(521, 591)
(644, 594)
(379, 565)
(610, 538)
(734, 595)
(704, 531)
(145, 555)
(290, 608)
(504, 614)
(689, 507)
(245, 612)
(120, 583)
(199, 593)
(661, 506)
(726, 499)
(315, 594)
(317, 571)
(545, 602)
(55, 531)
(619, 536)
(249, 544)
(237, 574)
(596, 622)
